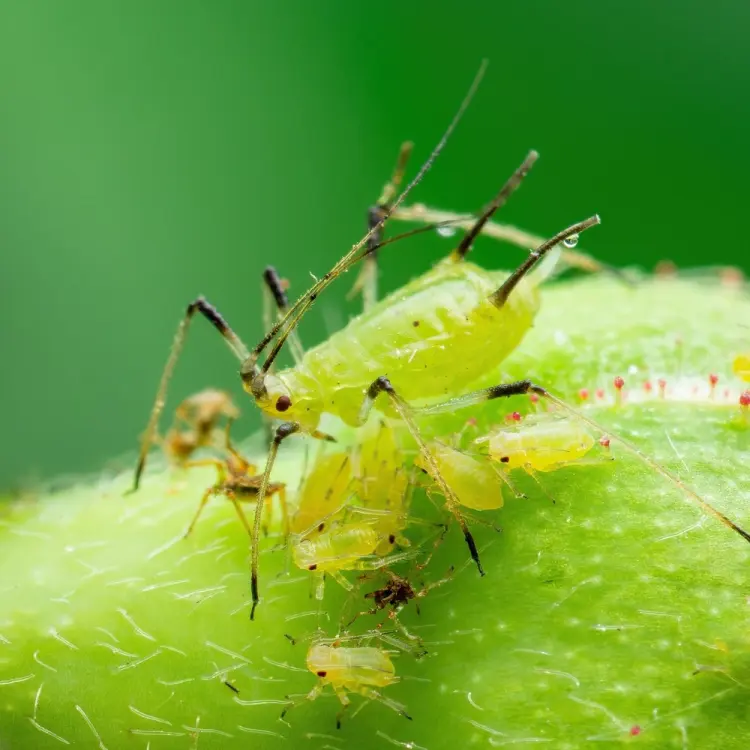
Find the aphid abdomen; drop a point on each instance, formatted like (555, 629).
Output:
(433, 337)
(337, 549)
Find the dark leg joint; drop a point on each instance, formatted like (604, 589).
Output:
(285, 430)
(211, 314)
(381, 385)
(511, 389)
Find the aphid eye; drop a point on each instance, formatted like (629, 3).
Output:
(322, 674)
(283, 403)
(391, 538)
(504, 459)
(312, 567)
(321, 527)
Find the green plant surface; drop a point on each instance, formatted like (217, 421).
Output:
(617, 614)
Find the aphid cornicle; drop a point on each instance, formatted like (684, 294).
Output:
(361, 670)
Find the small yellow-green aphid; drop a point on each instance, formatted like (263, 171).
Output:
(359, 670)
(477, 483)
(347, 522)
(539, 444)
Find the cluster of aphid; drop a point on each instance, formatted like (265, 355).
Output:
(439, 332)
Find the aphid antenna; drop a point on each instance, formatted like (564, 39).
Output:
(284, 327)
(650, 462)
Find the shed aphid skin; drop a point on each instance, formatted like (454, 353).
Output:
(397, 592)
(363, 670)
(195, 424)
(238, 480)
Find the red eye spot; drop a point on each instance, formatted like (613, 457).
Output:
(283, 403)
(604, 441)
(600, 392)
(635, 730)
(745, 398)
(713, 379)
(648, 386)
(583, 394)
(619, 383)
(515, 416)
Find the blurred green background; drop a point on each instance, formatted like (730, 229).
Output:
(152, 151)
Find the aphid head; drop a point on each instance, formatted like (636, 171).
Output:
(290, 399)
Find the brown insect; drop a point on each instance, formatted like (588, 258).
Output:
(238, 480)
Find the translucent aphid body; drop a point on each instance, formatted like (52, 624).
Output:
(361, 669)
(545, 445)
(476, 482)
(341, 548)
(351, 669)
(347, 519)
(323, 493)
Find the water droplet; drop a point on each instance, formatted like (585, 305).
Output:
(446, 231)
(571, 241)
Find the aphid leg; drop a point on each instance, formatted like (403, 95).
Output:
(298, 700)
(367, 281)
(507, 481)
(242, 463)
(207, 495)
(341, 580)
(526, 386)
(345, 703)
(510, 187)
(239, 349)
(383, 385)
(374, 695)
(283, 431)
(648, 461)
(529, 469)
(221, 475)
